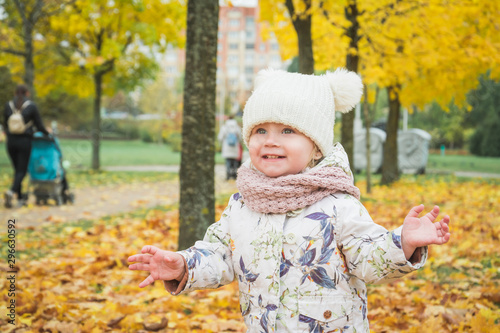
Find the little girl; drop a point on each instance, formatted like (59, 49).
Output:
(296, 237)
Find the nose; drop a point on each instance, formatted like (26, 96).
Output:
(272, 140)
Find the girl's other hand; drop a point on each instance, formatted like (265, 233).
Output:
(161, 265)
(422, 231)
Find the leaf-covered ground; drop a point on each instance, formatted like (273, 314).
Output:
(73, 277)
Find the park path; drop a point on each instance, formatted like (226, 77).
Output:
(95, 202)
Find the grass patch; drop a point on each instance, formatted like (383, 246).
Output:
(453, 163)
(114, 153)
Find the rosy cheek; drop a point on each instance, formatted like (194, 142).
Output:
(253, 144)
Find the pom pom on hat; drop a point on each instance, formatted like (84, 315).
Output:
(347, 89)
(304, 102)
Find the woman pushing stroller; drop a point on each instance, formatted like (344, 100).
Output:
(20, 117)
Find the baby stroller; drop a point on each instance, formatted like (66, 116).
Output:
(47, 175)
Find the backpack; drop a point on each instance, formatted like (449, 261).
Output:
(232, 139)
(16, 121)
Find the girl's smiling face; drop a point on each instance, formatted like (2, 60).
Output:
(279, 150)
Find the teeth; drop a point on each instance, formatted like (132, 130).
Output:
(272, 156)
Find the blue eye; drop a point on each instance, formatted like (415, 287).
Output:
(288, 131)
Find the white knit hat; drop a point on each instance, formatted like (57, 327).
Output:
(304, 102)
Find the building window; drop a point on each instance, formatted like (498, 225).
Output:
(262, 60)
(234, 34)
(262, 47)
(248, 70)
(233, 46)
(233, 71)
(250, 46)
(171, 56)
(249, 58)
(249, 22)
(250, 35)
(232, 58)
(248, 83)
(234, 13)
(234, 23)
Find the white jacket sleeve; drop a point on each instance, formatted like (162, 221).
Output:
(222, 133)
(372, 253)
(209, 262)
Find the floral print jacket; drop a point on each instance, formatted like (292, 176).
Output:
(304, 271)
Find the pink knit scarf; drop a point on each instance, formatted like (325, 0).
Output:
(288, 193)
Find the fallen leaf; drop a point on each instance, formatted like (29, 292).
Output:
(114, 322)
(154, 327)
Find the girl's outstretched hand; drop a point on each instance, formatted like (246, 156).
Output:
(422, 231)
(161, 264)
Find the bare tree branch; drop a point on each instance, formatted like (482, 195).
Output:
(12, 51)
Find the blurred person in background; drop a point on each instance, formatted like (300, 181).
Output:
(230, 138)
(20, 116)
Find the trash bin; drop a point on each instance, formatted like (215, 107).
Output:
(413, 150)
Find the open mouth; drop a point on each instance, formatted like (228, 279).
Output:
(272, 157)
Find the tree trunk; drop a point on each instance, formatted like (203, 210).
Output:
(366, 113)
(302, 25)
(197, 201)
(347, 136)
(29, 64)
(306, 58)
(352, 64)
(96, 126)
(390, 168)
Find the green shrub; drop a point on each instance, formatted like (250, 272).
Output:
(485, 118)
(120, 128)
(174, 140)
(146, 136)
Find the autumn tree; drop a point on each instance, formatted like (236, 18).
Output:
(298, 13)
(106, 45)
(197, 202)
(351, 31)
(7, 86)
(421, 52)
(408, 48)
(21, 20)
(164, 100)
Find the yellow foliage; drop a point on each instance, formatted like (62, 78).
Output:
(96, 33)
(433, 49)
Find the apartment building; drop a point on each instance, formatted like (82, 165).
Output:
(241, 53)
